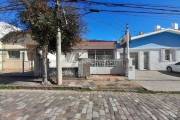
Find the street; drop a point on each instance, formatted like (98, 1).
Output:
(86, 105)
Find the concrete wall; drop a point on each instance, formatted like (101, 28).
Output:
(16, 63)
(155, 62)
(116, 70)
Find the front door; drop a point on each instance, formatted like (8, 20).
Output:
(146, 60)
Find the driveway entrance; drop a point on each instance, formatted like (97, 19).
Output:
(158, 80)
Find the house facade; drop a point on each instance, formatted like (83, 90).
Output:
(14, 53)
(155, 50)
(102, 55)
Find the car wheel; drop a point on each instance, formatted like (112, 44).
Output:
(169, 69)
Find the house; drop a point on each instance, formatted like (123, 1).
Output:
(5, 28)
(103, 56)
(155, 50)
(19, 54)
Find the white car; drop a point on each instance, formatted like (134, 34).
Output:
(173, 67)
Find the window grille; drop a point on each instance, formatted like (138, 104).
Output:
(167, 55)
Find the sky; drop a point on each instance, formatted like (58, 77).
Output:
(111, 26)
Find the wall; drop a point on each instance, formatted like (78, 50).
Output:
(23, 42)
(153, 44)
(116, 70)
(155, 62)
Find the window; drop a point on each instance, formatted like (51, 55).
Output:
(101, 54)
(167, 55)
(14, 54)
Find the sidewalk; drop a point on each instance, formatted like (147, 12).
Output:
(93, 82)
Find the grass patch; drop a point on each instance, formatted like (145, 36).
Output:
(2, 86)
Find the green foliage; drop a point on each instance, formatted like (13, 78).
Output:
(40, 18)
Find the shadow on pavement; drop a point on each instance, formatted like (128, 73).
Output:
(174, 74)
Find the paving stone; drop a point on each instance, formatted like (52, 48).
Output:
(89, 116)
(77, 116)
(95, 114)
(101, 112)
(48, 111)
(59, 105)
(53, 118)
(84, 110)
(123, 117)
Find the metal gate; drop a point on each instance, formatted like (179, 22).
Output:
(16, 62)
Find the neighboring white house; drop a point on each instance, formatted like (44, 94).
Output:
(155, 50)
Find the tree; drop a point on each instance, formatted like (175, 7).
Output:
(39, 17)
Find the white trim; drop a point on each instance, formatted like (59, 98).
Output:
(156, 32)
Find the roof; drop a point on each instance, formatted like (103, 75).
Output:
(156, 32)
(98, 42)
(5, 28)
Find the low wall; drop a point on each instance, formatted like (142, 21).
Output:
(116, 70)
(67, 72)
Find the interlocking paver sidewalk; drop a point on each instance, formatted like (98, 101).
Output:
(74, 105)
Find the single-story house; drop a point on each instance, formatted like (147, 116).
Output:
(103, 56)
(155, 50)
(16, 53)
(19, 53)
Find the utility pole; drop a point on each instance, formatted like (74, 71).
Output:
(58, 48)
(127, 42)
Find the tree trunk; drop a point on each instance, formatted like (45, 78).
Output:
(44, 71)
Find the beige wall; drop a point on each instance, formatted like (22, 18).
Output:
(22, 42)
(0, 56)
(16, 64)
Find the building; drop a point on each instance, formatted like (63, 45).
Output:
(103, 56)
(155, 50)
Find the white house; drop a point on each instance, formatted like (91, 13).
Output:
(155, 50)
(103, 55)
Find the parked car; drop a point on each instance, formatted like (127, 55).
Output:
(173, 67)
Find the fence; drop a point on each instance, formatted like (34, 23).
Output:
(104, 63)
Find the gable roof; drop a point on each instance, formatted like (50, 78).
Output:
(156, 32)
(5, 28)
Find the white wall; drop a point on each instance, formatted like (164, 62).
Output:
(118, 69)
(155, 62)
